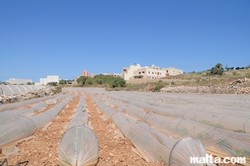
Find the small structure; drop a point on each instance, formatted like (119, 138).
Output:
(85, 72)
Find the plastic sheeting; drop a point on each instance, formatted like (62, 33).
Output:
(231, 143)
(241, 124)
(81, 115)
(44, 118)
(79, 145)
(153, 145)
(9, 115)
(57, 97)
(11, 106)
(16, 130)
(23, 127)
(7, 90)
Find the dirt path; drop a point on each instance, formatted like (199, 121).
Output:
(112, 151)
(42, 150)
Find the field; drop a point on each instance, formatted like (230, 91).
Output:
(125, 128)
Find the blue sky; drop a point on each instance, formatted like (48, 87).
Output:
(40, 38)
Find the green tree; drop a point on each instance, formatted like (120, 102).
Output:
(52, 83)
(217, 70)
(89, 81)
(81, 80)
(62, 82)
(117, 82)
(219, 65)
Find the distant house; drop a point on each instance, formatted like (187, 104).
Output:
(151, 72)
(172, 71)
(128, 72)
(18, 81)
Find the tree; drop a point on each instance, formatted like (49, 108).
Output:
(217, 70)
(52, 83)
(89, 81)
(28, 83)
(81, 80)
(117, 82)
(219, 65)
(62, 82)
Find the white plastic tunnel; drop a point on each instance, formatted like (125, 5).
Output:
(79, 144)
(23, 127)
(229, 142)
(153, 145)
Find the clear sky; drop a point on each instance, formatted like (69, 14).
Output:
(58, 37)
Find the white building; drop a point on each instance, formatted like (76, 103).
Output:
(18, 81)
(45, 81)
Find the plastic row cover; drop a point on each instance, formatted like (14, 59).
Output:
(79, 145)
(11, 106)
(217, 100)
(215, 120)
(81, 115)
(9, 115)
(153, 145)
(231, 143)
(43, 119)
(214, 108)
(23, 127)
(16, 130)
(7, 90)
(57, 97)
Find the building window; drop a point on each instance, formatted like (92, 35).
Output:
(139, 72)
(152, 72)
(149, 72)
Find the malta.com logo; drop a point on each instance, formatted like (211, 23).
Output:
(209, 159)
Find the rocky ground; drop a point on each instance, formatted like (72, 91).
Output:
(236, 87)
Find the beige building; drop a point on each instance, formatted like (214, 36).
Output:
(128, 72)
(172, 71)
(151, 72)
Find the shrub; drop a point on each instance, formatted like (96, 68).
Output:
(81, 80)
(234, 73)
(217, 69)
(52, 83)
(158, 87)
(117, 82)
